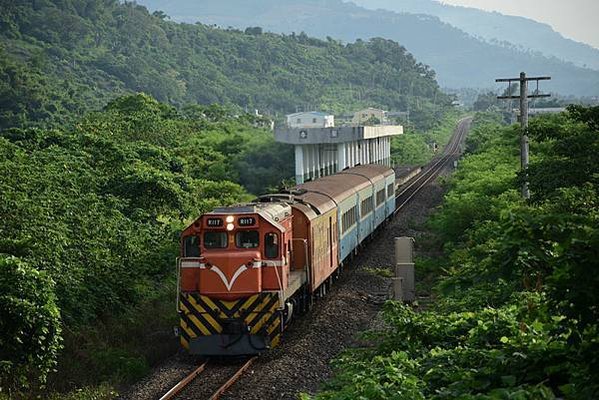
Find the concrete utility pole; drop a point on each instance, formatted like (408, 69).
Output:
(524, 96)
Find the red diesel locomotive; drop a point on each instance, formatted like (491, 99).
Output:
(245, 270)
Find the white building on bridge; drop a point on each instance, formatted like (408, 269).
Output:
(310, 119)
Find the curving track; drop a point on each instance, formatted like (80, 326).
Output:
(406, 192)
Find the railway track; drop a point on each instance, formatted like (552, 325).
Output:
(186, 387)
(406, 192)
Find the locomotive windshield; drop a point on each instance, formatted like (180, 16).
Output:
(247, 239)
(215, 240)
(191, 246)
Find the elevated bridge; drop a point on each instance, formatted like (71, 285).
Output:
(325, 151)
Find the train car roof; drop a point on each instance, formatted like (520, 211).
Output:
(343, 184)
(324, 194)
(369, 171)
(335, 187)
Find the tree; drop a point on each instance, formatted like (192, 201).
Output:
(253, 31)
(571, 146)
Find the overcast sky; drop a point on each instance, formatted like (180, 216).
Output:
(576, 19)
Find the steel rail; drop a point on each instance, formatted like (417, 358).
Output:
(192, 376)
(233, 379)
(184, 382)
(415, 185)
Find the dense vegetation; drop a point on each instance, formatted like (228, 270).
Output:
(59, 59)
(90, 222)
(517, 298)
(460, 59)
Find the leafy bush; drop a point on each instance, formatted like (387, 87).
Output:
(29, 325)
(119, 365)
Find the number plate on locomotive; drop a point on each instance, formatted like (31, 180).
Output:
(246, 221)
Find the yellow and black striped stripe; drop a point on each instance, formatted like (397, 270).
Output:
(204, 316)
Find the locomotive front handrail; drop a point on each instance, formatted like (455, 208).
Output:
(180, 261)
(178, 283)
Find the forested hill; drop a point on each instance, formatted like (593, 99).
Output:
(460, 59)
(61, 58)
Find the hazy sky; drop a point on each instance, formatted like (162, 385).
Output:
(576, 19)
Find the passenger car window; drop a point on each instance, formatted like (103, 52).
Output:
(191, 246)
(215, 240)
(247, 239)
(271, 245)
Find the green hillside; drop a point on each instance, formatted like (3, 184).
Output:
(460, 59)
(59, 59)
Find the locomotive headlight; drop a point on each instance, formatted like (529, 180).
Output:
(230, 219)
(230, 227)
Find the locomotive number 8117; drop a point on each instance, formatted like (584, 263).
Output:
(246, 270)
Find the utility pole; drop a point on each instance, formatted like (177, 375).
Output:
(524, 96)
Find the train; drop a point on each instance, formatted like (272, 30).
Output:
(245, 271)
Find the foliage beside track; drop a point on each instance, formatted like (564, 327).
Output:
(517, 298)
(90, 224)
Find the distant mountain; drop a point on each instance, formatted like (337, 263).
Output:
(459, 59)
(497, 28)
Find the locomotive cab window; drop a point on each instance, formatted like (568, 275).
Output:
(215, 240)
(271, 245)
(247, 239)
(191, 246)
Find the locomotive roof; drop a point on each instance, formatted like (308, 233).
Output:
(274, 212)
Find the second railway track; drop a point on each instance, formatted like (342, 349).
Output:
(406, 192)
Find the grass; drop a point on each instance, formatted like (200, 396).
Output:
(385, 272)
